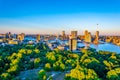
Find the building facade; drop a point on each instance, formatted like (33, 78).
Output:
(73, 41)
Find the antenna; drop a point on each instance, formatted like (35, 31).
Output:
(97, 27)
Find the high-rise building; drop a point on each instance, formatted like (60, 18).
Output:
(21, 36)
(73, 40)
(87, 36)
(97, 35)
(38, 37)
(74, 34)
(9, 34)
(15, 36)
(96, 40)
(63, 35)
(6, 35)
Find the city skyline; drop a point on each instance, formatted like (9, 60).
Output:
(52, 17)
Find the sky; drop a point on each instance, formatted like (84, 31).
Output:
(54, 16)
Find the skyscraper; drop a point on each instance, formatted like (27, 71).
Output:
(73, 40)
(9, 34)
(97, 35)
(74, 34)
(21, 36)
(38, 37)
(87, 36)
(63, 35)
(96, 40)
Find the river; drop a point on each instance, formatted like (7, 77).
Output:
(105, 46)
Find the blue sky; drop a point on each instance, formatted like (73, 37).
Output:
(53, 16)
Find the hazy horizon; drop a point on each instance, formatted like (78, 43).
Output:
(52, 17)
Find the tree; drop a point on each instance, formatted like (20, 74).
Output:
(6, 76)
(108, 64)
(47, 67)
(42, 75)
(113, 74)
(37, 51)
(51, 57)
(62, 67)
(80, 73)
(37, 62)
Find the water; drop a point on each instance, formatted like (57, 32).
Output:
(105, 47)
(30, 38)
